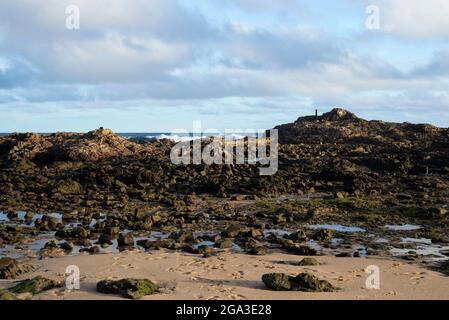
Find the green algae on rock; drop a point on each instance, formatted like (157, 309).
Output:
(128, 288)
(35, 285)
(6, 295)
(303, 282)
(277, 281)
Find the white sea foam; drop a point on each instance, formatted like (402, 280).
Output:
(179, 138)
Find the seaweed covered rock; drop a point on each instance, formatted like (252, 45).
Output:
(6, 295)
(303, 282)
(128, 288)
(277, 281)
(34, 285)
(11, 268)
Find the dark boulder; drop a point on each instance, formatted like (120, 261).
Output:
(128, 288)
(302, 282)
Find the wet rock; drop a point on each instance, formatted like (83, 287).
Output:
(182, 236)
(6, 295)
(248, 243)
(410, 256)
(280, 218)
(404, 196)
(128, 288)
(277, 281)
(371, 252)
(11, 268)
(125, 239)
(437, 212)
(83, 243)
(34, 285)
(29, 215)
(201, 217)
(112, 230)
(79, 233)
(186, 248)
(51, 244)
(67, 187)
(67, 246)
(211, 237)
(233, 231)
(258, 251)
(51, 252)
(12, 214)
(303, 282)
(105, 239)
(47, 223)
(91, 250)
(253, 233)
(299, 235)
(344, 255)
(301, 250)
(443, 267)
(224, 244)
(308, 262)
(70, 215)
(205, 250)
(341, 195)
(323, 235)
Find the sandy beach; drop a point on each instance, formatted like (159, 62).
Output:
(231, 275)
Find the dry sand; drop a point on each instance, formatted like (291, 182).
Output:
(231, 275)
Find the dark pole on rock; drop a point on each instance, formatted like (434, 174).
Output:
(316, 114)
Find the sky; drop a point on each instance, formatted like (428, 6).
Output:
(159, 65)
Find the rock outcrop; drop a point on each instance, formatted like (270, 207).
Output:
(342, 126)
(336, 152)
(95, 145)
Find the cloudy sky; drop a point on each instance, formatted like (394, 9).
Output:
(156, 65)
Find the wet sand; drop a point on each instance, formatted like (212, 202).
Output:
(231, 275)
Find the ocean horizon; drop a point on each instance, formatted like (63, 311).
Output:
(161, 135)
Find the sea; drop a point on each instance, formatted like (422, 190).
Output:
(178, 137)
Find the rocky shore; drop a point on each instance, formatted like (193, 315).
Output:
(346, 187)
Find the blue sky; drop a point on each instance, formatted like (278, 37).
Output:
(157, 65)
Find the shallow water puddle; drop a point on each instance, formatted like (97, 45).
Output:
(209, 244)
(403, 227)
(433, 251)
(21, 221)
(278, 232)
(424, 247)
(337, 227)
(416, 240)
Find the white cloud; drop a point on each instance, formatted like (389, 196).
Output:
(416, 18)
(159, 51)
